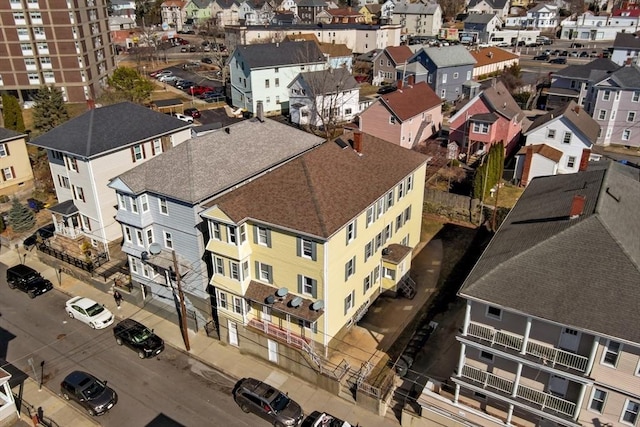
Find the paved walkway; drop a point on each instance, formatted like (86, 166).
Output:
(220, 356)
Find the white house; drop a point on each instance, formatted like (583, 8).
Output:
(173, 14)
(262, 72)
(591, 27)
(567, 134)
(387, 9)
(543, 16)
(626, 47)
(418, 19)
(87, 151)
(499, 7)
(319, 97)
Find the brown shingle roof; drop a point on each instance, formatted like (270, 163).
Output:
(411, 100)
(491, 55)
(324, 189)
(399, 54)
(395, 253)
(343, 11)
(334, 49)
(544, 150)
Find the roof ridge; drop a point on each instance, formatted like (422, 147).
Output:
(90, 133)
(313, 195)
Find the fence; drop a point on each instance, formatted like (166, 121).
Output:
(453, 206)
(34, 413)
(89, 266)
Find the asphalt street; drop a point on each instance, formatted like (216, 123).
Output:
(151, 392)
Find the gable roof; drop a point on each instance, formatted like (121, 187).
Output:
(577, 116)
(593, 70)
(280, 54)
(321, 191)
(312, 3)
(204, 166)
(334, 50)
(627, 41)
(627, 77)
(399, 54)
(173, 3)
(492, 55)
(544, 150)
(541, 6)
(499, 100)
(479, 18)
(343, 11)
(493, 4)
(329, 81)
(545, 264)
(9, 134)
(374, 8)
(448, 56)
(417, 8)
(108, 129)
(410, 100)
(226, 4)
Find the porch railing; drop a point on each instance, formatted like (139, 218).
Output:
(549, 355)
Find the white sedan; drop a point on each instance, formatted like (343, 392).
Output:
(88, 311)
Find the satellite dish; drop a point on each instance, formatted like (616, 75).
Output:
(296, 302)
(318, 305)
(155, 248)
(282, 292)
(270, 299)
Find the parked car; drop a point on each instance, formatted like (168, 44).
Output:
(46, 231)
(182, 117)
(386, 89)
(138, 338)
(558, 61)
(503, 44)
(584, 54)
(35, 205)
(197, 90)
(159, 74)
(167, 78)
(267, 402)
(206, 60)
(88, 311)
(89, 392)
(542, 57)
(574, 54)
(30, 241)
(193, 112)
(556, 52)
(594, 54)
(27, 280)
(576, 45)
(322, 419)
(564, 53)
(184, 49)
(184, 84)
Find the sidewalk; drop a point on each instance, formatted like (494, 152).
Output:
(220, 356)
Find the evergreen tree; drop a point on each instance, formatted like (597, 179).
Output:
(129, 85)
(49, 110)
(21, 218)
(12, 114)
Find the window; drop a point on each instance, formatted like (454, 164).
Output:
(7, 173)
(139, 237)
(163, 206)
(219, 265)
(602, 115)
(222, 300)
(243, 233)
(307, 248)
(78, 192)
(349, 302)
(480, 127)
(245, 269)
(266, 84)
(366, 285)
(265, 272)
(571, 161)
(631, 116)
(494, 312)
(455, 76)
(277, 82)
(566, 139)
(468, 75)
(630, 414)
(72, 164)
(389, 200)
(149, 234)
(156, 146)
(444, 78)
(370, 212)
(307, 285)
(350, 268)
(63, 181)
(263, 236)
(231, 235)
(636, 97)
(4, 152)
(122, 202)
(400, 190)
(137, 153)
(443, 93)
(409, 183)
(133, 264)
(392, 120)
(597, 400)
(626, 134)
(238, 305)
(235, 270)
(351, 232)
(611, 353)
(606, 95)
(168, 240)
(485, 355)
(145, 203)
(127, 234)
(134, 205)
(216, 230)
(368, 250)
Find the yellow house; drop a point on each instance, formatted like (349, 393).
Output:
(301, 252)
(15, 169)
(371, 13)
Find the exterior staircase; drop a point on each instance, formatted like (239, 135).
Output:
(408, 287)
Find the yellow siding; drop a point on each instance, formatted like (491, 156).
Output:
(614, 405)
(18, 160)
(623, 376)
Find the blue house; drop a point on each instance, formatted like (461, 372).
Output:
(159, 206)
(447, 69)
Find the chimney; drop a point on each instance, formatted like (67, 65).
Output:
(357, 142)
(584, 160)
(399, 85)
(412, 80)
(526, 169)
(260, 111)
(91, 104)
(577, 206)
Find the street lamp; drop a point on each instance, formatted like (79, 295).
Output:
(41, 375)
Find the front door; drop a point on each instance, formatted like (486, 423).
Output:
(233, 332)
(558, 385)
(569, 340)
(273, 351)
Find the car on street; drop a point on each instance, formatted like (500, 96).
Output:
(556, 52)
(30, 241)
(584, 54)
(193, 112)
(88, 311)
(27, 280)
(138, 338)
(576, 45)
(503, 44)
(206, 60)
(558, 61)
(542, 57)
(184, 49)
(594, 54)
(89, 392)
(322, 419)
(574, 54)
(267, 402)
(564, 53)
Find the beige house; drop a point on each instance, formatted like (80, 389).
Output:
(405, 117)
(550, 334)
(14, 163)
(491, 60)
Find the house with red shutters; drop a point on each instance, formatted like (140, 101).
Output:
(404, 117)
(490, 117)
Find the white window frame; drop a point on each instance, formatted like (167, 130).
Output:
(3, 150)
(128, 236)
(139, 237)
(221, 299)
(481, 128)
(635, 97)
(232, 237)
(162, 206)
(216, 233)
(238, 305)
(262, 236)
(234, 270)
(564, 137)
(571, 162)
(134, 205)
(351, 232)
(218, 266)
(144, 201)
(631, 116)
(606, 351)
(122, 202)
(350, 268)
(349, 302)
(493, 316)
(263, 272)
(626, 134)
(306, 248)
(307, 285)
(148, 234)
(137, 152)
(168, 240)
(624, 411)
(602, 115)
(593, 397)
(551, 134)
(606, 95)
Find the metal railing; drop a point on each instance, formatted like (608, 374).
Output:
(89, 266)
(487, 380)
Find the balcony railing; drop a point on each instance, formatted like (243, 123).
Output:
(549, 355)
(287, 336)
(543, 401)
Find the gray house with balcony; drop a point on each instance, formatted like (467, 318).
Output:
(448, 68)
(159, 206)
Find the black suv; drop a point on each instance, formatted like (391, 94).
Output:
(138, 338)
(91, 393)
(27, 280)
(253, 395)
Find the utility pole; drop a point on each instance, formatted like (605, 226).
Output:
(183, 308)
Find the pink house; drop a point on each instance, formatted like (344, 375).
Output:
(406, 116)
(490, 117)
